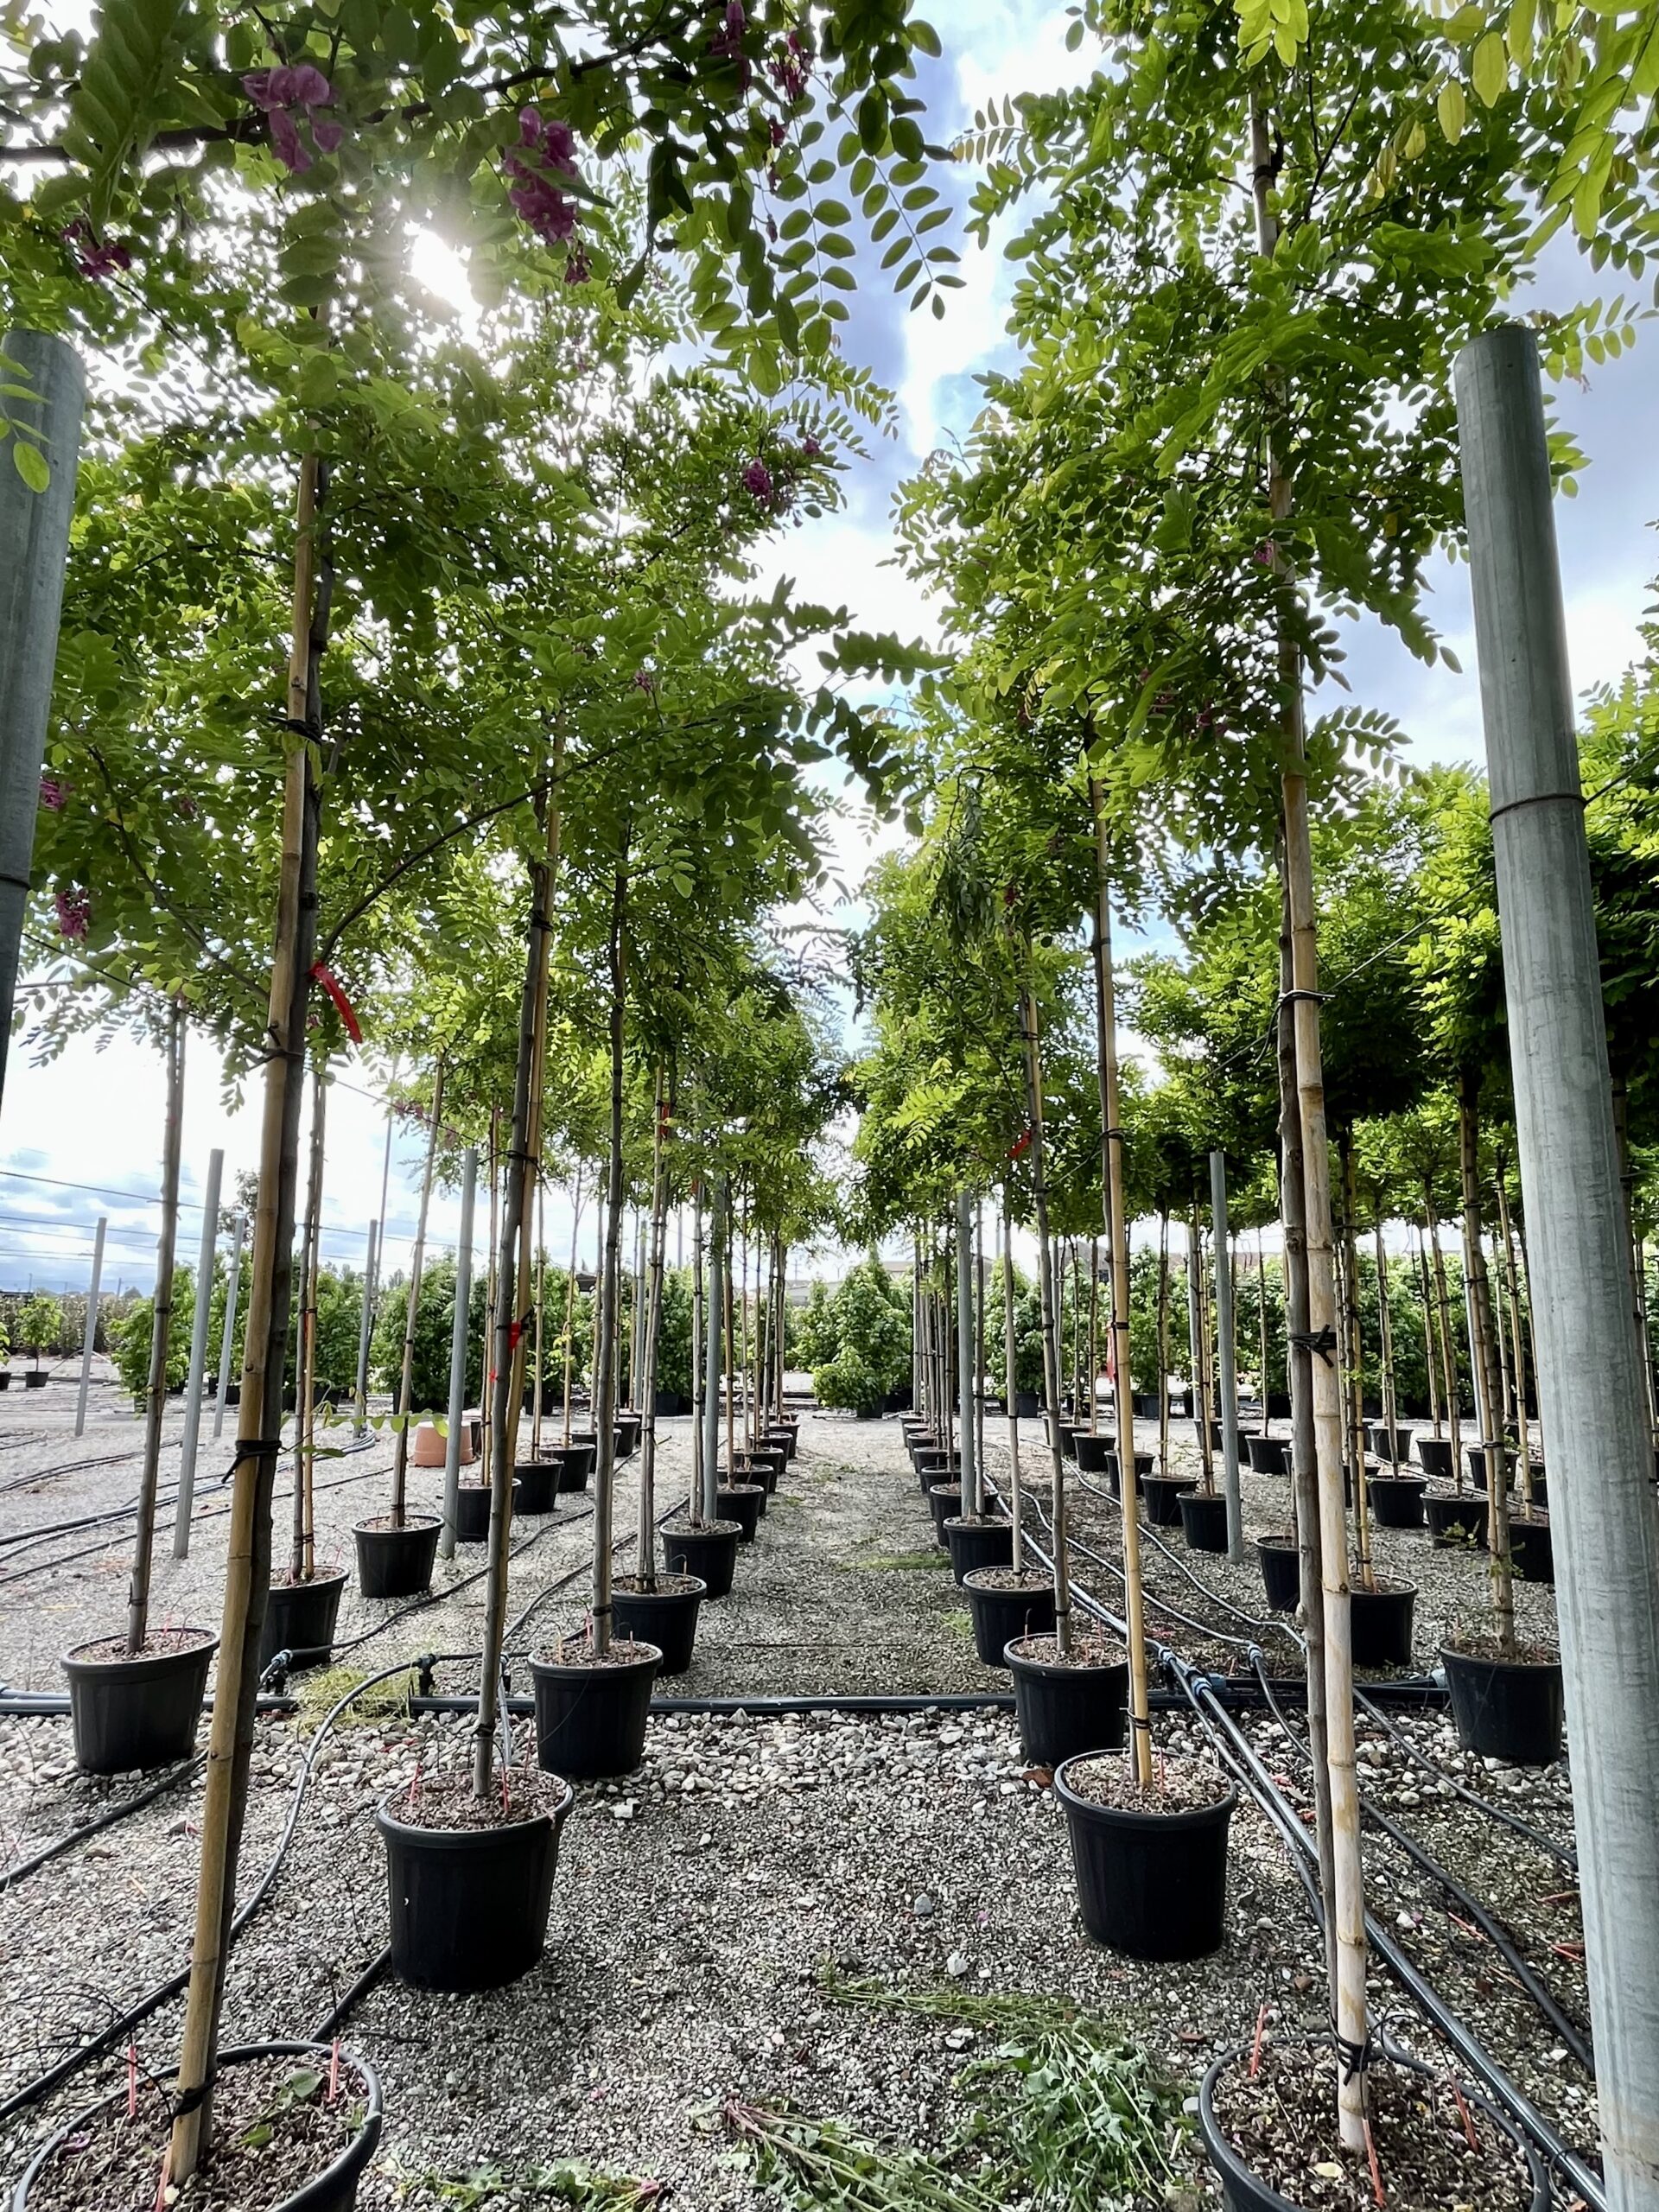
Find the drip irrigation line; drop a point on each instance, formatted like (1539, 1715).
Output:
(1563, 1854)
(1185, 1566)
(331, 2022)
(9, 1875)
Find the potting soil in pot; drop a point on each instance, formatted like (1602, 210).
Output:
(274, 2129)
(1283, 2125)
(447, 1801)
(1177, 1785)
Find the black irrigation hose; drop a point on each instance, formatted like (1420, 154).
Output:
(1563, 1852)
(330, 2025)
(1200, 1692)
(1500, 1937)
(1262, 1627)
(24, 1868)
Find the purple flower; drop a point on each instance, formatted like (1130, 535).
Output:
(52, 794)
(285, 143)
(308, 87)
(645, 682)
(756, 480)
(325, 136)
(810, 447)
(1267, 553)
(787, 67)
(576, 270)
(289, 95)
(776, 131)
(545, 160)
(726, 41)
(75, 912)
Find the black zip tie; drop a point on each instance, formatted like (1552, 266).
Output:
(1314, 998)
(1323, 1342)
(1352, 2057)
(189, 2100)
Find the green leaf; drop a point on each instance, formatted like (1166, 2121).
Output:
(1489, 69)
(118, 102)
(31, 465)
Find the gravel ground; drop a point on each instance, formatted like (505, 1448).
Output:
(699, 1904)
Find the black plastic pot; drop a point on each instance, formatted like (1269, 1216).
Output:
(1475, 1457)
(1243, 2190)
(1068, 1441)
(1506, 1708)
(1091, 1452)
(1143, 1465)
(1434, 1457)
(945, 1501)
(667, 1618)
(999, 1615)
(1163, 1494)
(574, 1463)
(742, 1502)
(1203, 1522)
(1540, 1482)
(1063, 1710)
(5, 1378)
(787, 1440)
(1281, 1574)
(1380, 1435)
(975, 1544)
(127, 1714)
(1027, 1405)
(768, 1460)
(1268, 1455)
(536, 1486)
(628, 1427)
(709, 1552)
(1456, 1522)
(396, 1562)
(36, 1378)
(469, 1905)
(1381, 1624)
(1397, 1500)
(300, 1617)
(590, 1720)
(1150, 1885)
(471, 1512)
(1531, 1555)
(334, 2189)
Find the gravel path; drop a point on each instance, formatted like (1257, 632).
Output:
(700, 1905)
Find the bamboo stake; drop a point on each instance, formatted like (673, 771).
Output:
(1425, 1293)
(1011, 1390)
(1523, 1435)
(160, 1331)
(416, 1266)
(646, 1549)
(1051, 1325)
(606, 1345)
(1485, 1363)
(302, 1562)
(1126, 1480)
(570, 1300)
(699, 1366)
(541, 1300)
(1385, 1341)
(1262, 1325)
(1448, 1342)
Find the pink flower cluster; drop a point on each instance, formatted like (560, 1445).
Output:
(52, 794)
(776, 486)
(75, 912)
(725, 40)
(789, 68)
(543, 168)
(291, 96)
(93, 260)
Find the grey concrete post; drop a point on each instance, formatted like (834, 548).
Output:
(1226, 1353)
(458, 1353)
(192, 1435)
(90, 1337)
(366, 1332)
(967, 1373)
(1598, 1446)
(34, 553)
(227, 1343)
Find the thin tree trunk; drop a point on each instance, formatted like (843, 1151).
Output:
(1356, 1365)
(1448, 1341)
(1425, 1298)
(1051, 1326)
(646, 1557)
(571, 1299)
(979, 1341)
(161, 1330)
(1523, 1436)
(491, 1301)
(1011, 1388)
(604, 1357)
(1094, 1335)
(416, 1266)
(541, 1301)
(513, 1265)
(247, 1578)
(1485, 1362)
(695, 1503)
(1385, 1341)
(302, 1562)
(1197, 1336)
(1125, 1480)
(1262, 1325)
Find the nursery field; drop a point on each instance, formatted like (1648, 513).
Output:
(789, 1934)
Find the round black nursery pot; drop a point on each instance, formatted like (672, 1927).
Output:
(945, 1500)
(534, 1486)
(1150, 1885)
(628, 1427)
(1531, 1555)
(973, 1544)
(666, 1615)
(1204, 1523)
(708, 1551)
(469, 1905)
(766, 1464)
(1143, 1466)
(394, 1561)
(574, 1463)
(1163, 1496)
(590, 1716)
(1063, 1707)
(1455, 1521)
(1475, 1456)
(300, 1617)
(1242, 2188)
(1434, 1457)
(1382, 1436)
(472, 1513)
(1381, 1624)
(1091, 1452)
(129, 1714)
(742, 1502)
(332, 2189)
(1001, 1614)
(36, 1378)
(1268, 1455)
(787, 1440)
(1511, 1709)
(1281, 1572)
(1397, 1500)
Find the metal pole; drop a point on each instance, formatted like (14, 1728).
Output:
(34, 553)
(364, 1333)
(1225, 1346)
(458, 1336)
(91, 1335)
(227, 1347)
(197, 1359)
(966, 1382)
(1598, 1444)
(711, 1356)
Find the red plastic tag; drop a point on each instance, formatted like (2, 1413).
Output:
(330, 984)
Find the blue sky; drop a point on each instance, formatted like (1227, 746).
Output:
(95, 1118)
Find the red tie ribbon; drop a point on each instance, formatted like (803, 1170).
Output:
(330, 984)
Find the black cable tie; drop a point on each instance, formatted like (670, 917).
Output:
(1352, 2057)
(1323, 1342)
(257, 1447)
(1314, 998)
(189, 2101)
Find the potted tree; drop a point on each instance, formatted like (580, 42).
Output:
(40, 1324)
